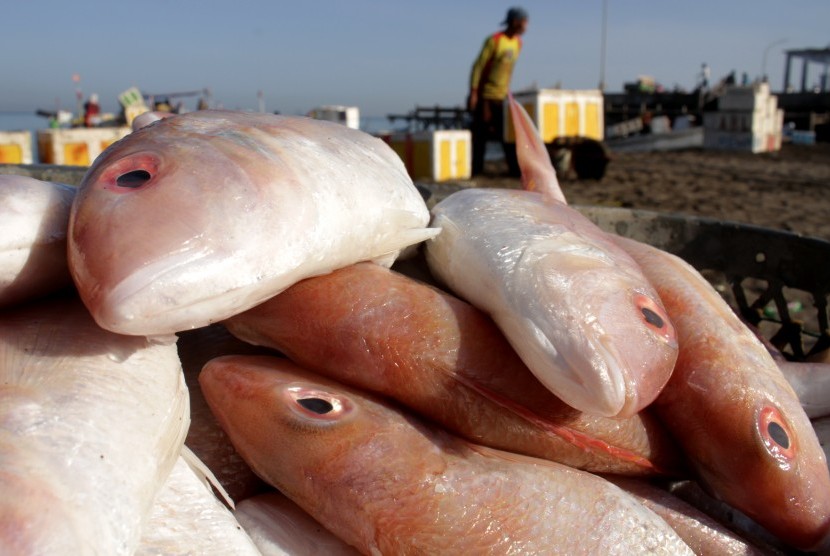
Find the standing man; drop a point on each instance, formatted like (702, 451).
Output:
(489, 85)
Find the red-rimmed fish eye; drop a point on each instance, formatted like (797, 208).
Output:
(655, 318)
(317, 404)
(130, 173)
(776, 435)
(133, 179)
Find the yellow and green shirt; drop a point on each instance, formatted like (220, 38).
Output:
(494, 66)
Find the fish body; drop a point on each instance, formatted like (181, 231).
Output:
(91, 423)
(574, 306)
(187, 518)
(388, 484)
(375, 329)
(701, 532)
(34, 217)
(198, 216)
(733, 412)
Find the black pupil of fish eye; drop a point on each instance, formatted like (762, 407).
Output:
(133, 179)
(778, 434)
(321, 407)
(652, 318)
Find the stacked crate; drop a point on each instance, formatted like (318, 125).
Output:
(561, 113)
(77, 146)
(15, 147)
(434, 155)
(747, 119)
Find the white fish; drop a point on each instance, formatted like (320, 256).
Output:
(91, 424)
(199, 216)
(279, 527)
(188, 519)
(34, 216)
(575, 307)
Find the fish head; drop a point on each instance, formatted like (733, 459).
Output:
(291, 425)
(782, 460)
(607, 330)
(158, 229)
(638, 340)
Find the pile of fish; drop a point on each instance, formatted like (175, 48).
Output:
(209, 349)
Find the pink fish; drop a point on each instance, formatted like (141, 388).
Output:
(699, 530)
(196, 217)
(575, 307)
(375, 329)
(733, 412)
(388, 484)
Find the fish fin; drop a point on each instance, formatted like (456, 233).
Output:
(568, 434)
(538, 173)
(511, 457)
(206, 475)
(402, 244)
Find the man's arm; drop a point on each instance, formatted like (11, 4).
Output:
(487, 52)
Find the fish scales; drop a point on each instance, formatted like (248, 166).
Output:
(91, 424)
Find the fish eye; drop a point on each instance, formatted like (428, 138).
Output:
(776, 435)
(655, 318)
(133, 179)
(317, 405)
(312, 403)
(652, 318)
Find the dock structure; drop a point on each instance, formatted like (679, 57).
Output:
(808, 105)
(424, 118)
(808, 56)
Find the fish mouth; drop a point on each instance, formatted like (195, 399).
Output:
(594, 385)
(613, 378)
(160, 297)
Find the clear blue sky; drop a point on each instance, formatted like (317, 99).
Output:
(382, 56)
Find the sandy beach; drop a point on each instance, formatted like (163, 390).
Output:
(785, 190)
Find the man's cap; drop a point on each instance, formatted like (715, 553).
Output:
(514, 14)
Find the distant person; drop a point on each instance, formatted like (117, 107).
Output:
(489, 86)
(92, 111)
(705, 74)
